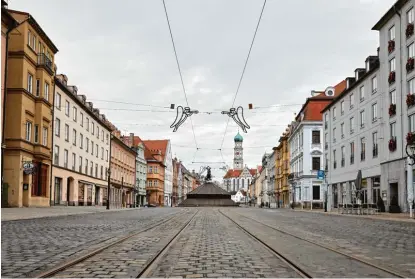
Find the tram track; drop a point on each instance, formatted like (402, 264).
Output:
(72, 262)
(387, 271)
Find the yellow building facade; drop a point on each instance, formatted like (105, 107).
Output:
(282, 168)
(29, 104)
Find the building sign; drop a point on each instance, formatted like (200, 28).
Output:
(320, 174)
(29, 167)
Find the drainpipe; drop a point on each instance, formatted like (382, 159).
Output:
(51, 161)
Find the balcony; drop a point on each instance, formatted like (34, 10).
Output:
(43, 60)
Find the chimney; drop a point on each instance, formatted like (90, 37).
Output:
(131, 139)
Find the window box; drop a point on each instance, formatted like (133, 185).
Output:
(410, 100)
(392, 77)
(391, 46)
(409, 30)
(410, 65)
(392, 110)
(410, 138)
(392, 144)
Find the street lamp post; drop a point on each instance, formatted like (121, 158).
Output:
(109, 188)
(410, 151)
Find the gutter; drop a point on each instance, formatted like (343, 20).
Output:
(52, 149)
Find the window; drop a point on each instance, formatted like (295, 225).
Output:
(334, 134)
(46, 93)
(325, 120)
(150, 169)
(102, 153)
(374, 112)
(86, 166)
(56, 157)
(66, 132)
(87, 124)
(411, 50)
(342, 130)
(87, 144)
(375, 144)
(102, 135)
(29, 38)
(351, 101)
(352, 153)
(351, 125)
(80, 164)
(334, 113)
(96, 170)
(73, 161)
(102, 172)
(74, 137)
(334, 159)
(392, 33)
(411, 86)
(67, 108)
(97, 151)
(392, 65)
(316, 137)
(410, 16)
(107, 154)
(363, 149)
(75, 114)
(374, 84)
(343, 151)
(33, 43)
(65, 158)
(326, 145)
(342, 107)
(362, 119)
(393, 130)
(58, 127)
(362, 93)
(108, 136)
(82, 119)
(38, 87)
(92, 128)
(411, 122)
(58, 101)
(36, 133)
(392, 97)
(316, 163)
(91, 169)
(97, 132)
(29, 83)
(28, 131)
(45, 136)
(92, 147)
(81, 140)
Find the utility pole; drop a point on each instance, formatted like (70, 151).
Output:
(122, 193)
(109, 176)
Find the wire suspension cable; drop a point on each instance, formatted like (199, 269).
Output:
(178, 67)
(243, 71)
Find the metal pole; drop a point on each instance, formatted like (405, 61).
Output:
(122, 193)
(410, 185)
(109, 176)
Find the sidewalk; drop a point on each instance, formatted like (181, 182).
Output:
(8, 214)
(401, 217)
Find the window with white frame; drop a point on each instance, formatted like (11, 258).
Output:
(46, 93)
(74, 137)
(73, 161)
(334, 134)
(97, 131)
(362, 93)
(342, 130)
(87, 124)
(102, 153)
(362, 118)
(81, 140)
(411, 122)
(107, 155)
(342, 107)
(334, 113)
(87, 145)
(67, 108)
(75, 113)
(410, 16)
(56, 156)
(58, 127)
(80, 164)
(29, 38)
(92, 127)
(351, 100)
(374, 112)
(392, 127)
(92, 147)
(97, 151)
(392, 65)
(392, 33)
(411, 86)
(65, 158)
(374, 84)
(58, 100)
(82, 119)
(29, 83)
(66, 132)
(392, 97)
(28, 135)
(45, 136)
(411, 50)
(102, 135)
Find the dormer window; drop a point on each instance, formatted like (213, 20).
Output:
(330, 92)
(367, 65)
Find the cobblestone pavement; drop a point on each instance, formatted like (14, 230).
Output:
(212, 246)
(386, 243)
(315, 260)
(127, 259)
(29, 246)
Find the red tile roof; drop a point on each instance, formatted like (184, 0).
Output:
(236, 173)
(156, 145)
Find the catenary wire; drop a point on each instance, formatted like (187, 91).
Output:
(243, 71)
(178, 67)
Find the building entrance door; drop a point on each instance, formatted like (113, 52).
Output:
(58, 189)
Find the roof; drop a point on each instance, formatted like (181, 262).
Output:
(190, 202)
(314, 105)
(238, 138)
(154, 145)
(209, 194)
(208, 188)
(236, 173)
(31, 20)
(123, 145)
(148, 155)
(389, 14)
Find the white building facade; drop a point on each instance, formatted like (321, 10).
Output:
(141, 175)
(81, 144)
(397, 81)
(168, 175)
(353, 137)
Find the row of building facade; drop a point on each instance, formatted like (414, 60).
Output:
(364, 123)
(58, 149)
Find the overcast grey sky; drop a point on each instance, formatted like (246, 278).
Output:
(121, 51)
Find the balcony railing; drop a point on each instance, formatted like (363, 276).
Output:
(43, 60)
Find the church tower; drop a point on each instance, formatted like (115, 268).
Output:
(238, 158)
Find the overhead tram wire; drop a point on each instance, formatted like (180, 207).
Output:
(178, 67)
(243, 71)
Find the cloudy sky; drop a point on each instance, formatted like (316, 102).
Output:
(121, 51)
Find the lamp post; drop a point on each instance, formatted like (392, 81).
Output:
(410, 151)
(109, 188)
